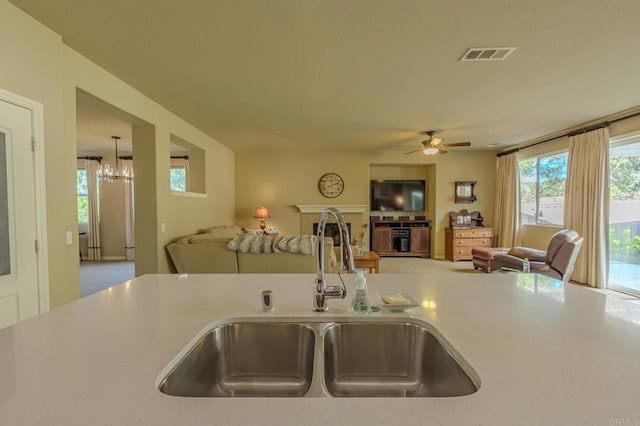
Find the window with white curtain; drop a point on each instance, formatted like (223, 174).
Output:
(542, 187)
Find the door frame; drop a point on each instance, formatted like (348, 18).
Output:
(37, 124)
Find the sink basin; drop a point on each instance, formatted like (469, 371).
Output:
(390, 360)
(313, 357)
(246, 359)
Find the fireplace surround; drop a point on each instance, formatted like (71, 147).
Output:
(356, 215)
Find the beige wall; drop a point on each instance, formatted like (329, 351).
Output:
(280, 180)
(180, 215)
(43, 69)
(112, 229)
(32, 67)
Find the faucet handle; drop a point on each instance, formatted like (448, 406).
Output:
(336, 291)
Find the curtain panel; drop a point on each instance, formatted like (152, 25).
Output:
(586, 208)
(129, 216)
(507, 201)
(94, 248)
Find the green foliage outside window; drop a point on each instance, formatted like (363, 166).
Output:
(177, 179)
(553, 175)
(528, 178)
(542, 187)
(624, 197)
(83, 196)
(624, 183)
(623, 246)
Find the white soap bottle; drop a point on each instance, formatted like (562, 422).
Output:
(360, 303)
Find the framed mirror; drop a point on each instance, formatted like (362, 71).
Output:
(464, 191)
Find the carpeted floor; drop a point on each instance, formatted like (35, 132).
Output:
(412, 265)
(97, 276)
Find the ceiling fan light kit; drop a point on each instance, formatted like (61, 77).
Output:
(433, 145)
(430, 150)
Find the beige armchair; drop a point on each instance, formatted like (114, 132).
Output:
(557, 262)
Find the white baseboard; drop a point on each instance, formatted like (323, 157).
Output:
(114, 258)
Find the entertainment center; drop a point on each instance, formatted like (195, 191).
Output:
(401, 237)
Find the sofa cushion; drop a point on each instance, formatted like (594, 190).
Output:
(205, 238)
(227, 232)
(203, 258)
(533, 255)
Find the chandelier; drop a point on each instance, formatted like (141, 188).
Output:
(106, 173)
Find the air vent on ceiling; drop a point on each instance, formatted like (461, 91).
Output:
(487, 53)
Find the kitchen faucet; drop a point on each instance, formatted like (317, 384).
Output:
(321, 291)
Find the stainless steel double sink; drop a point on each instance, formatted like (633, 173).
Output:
(309, 357)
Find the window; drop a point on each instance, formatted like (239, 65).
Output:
(542, 186)
(188, 160)
(624, 214)
(83, 196)
(178, 179)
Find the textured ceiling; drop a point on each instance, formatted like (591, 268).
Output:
(363, 74)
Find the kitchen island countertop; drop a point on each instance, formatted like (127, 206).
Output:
(545, 353)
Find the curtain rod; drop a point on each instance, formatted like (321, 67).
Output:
(126, 157)
(98, 159)
(586, 129)
(130, 157)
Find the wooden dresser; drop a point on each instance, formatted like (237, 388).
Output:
(460, 241)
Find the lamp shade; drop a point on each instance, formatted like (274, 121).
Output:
(430, 151)
(262, 213)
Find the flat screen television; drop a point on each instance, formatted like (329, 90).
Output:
(397, 195)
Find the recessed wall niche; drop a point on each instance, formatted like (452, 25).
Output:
(187, 160)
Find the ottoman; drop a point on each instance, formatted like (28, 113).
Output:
(482, 256)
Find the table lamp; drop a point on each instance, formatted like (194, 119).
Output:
(262, 213)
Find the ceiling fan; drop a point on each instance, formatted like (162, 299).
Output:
(433, 145)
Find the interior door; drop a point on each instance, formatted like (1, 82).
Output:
(19, 297)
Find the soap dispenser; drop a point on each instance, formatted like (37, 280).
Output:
(360, 303)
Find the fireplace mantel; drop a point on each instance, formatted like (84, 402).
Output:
(319, 208)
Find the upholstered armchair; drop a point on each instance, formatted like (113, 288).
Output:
(556, 262)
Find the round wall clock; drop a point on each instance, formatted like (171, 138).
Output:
(331, 185)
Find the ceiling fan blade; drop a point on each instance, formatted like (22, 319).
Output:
(411, 152)
(442, 151)
(456, 144)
